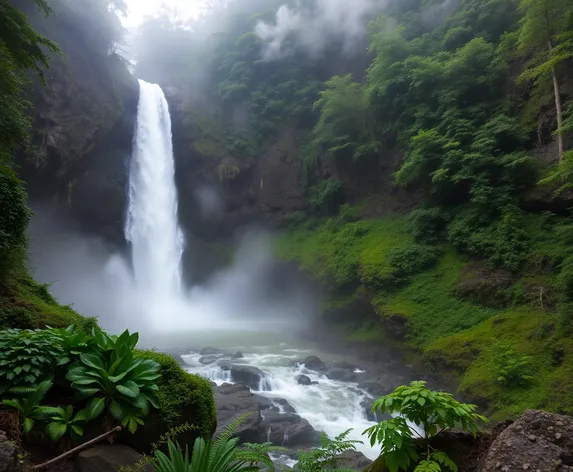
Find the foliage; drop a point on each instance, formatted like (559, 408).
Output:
(324, 457)
(222, 454)
(62, 421)
(29, 409)
(432, 412)
(346, 127)
(427, 224)
(28, 357)
(512, 369)
(325, 197)
(115, 380)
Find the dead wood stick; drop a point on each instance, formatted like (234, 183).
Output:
(75, 450)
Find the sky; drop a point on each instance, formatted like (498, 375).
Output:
(139, 9)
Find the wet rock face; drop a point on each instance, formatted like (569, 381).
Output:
(233, 402)
(288, 430)
(537, 441)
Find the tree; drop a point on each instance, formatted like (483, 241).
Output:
(545, 37)
(21, 48)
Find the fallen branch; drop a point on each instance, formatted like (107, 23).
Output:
(75, 450)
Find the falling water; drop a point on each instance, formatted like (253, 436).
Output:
(152, 227)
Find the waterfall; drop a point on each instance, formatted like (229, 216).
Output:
(152, 228)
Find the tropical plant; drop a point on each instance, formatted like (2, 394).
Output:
(61, 421)
(29, 409)
(324, 457)
(432, 412)
(115, 381)
(220, 455)
(27, 357)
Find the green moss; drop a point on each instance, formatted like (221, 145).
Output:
(429, 303)
(183, 397)
(25, 303)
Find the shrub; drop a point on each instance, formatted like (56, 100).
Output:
(427, 224)
(511, 368)
(407, 262)
(115, 380)
(324, 457)
(433, 412)
(347, 214)
(28, 357)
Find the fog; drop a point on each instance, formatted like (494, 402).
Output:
(313, 29)
(252, 294)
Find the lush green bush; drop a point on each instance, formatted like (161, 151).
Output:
(432, 412)
(511, 368)
(34, 364)
(428, 224)
(325, 456)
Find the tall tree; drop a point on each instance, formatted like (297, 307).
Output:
(544, 35)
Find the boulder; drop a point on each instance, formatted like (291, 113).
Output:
(209, 351)
(303, 380)
(352, 460)
(286, 406)
(234, 401)
(288, 430)
(537, 441)
(314, 363)
(208, 359)
(9, 460)
(276, 405)
(249, 375)
(344, 375)
(109, 458)
(238, 355)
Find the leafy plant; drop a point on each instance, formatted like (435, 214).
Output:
(29, 409)
(433, 412)
(61, 421)
(27, 357)
(325, 197)
(511, 368)
(324, 457)
(115, 380)
(221, 455)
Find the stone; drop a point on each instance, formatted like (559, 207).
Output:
(288, 430)
(233, 402)
(514, 448)
(352, 460)
(238, 355)
(248, 375)
(208, 359)
(303, 380)
(208, 351)
(314, 363)
(344, 375)
(108, 458)
(9, 461)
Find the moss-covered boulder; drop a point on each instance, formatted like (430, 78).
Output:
(184, 399)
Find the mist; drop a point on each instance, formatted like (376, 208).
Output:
(253, 294)
(313, 29)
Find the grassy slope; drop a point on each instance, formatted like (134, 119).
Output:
(455, 335)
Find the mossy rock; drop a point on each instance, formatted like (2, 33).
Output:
(183, 399)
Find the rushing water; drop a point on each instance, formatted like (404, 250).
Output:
(152, 227)
(330, 406)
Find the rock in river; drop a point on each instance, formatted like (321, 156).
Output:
(314, 363)
(248, 375)
(303, 380)
(288, 430)
(208, 359)
(234, 401)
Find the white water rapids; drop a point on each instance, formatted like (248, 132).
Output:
(330, 406)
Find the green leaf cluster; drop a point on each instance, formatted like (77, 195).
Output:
(511, 368)
(325, 456)
(428, 412)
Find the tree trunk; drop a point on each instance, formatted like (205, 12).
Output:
(558, 107)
